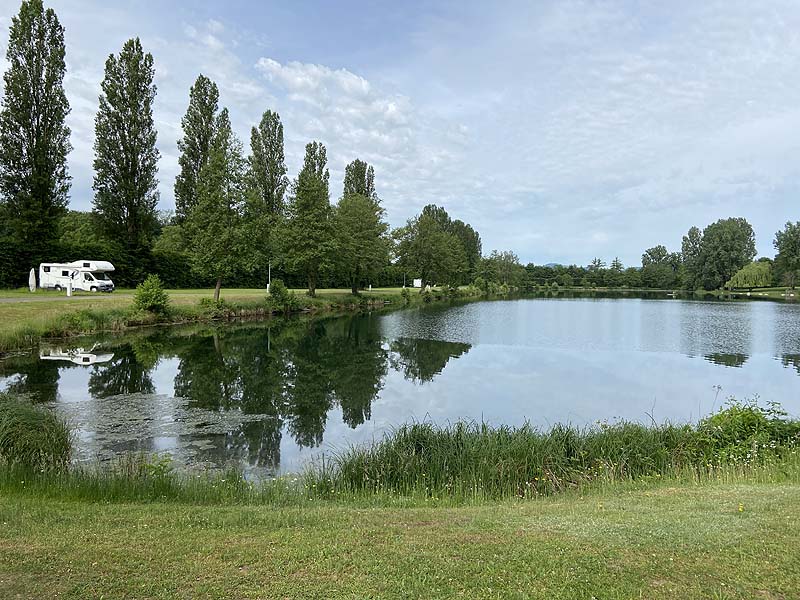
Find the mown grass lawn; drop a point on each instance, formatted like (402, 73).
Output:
(19, 308)
(689, 541)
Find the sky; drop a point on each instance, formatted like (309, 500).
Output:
(561, 130)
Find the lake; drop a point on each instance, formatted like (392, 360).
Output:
(265, 397)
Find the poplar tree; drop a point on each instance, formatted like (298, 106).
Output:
(267, 163)
(126, 157)
(308, 235)
(194, 146)
(218, 243)
(34, 139)
(362, 240)
(359, 178)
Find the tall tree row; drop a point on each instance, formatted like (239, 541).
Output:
(34, 140)
(126, 157)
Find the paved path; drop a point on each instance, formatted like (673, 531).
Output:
(56, 298)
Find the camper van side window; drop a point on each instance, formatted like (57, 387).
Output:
(46, 269)
(86, 265)
(65, 273)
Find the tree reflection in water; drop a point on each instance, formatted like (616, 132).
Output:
(283, 376)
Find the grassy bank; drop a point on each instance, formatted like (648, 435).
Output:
(705, 511)
(677, 540)
(26, 318)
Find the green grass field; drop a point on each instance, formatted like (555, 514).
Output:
(24, 315)
(718, 541)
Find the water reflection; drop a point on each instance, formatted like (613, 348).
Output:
(259, 396)
(236, 390)
(791, 360)
(421, 360)
(727, 360)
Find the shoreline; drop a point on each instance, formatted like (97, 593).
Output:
(94, 319)
(34, 320)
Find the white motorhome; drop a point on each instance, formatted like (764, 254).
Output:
(88, 275)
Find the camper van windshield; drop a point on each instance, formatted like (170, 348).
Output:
(100, 275)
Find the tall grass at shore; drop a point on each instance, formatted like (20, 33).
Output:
(475, 459)
(32, 437)
(462, 462)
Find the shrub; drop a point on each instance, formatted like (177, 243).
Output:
(32, 436)
(214, 309)
(150, 296)
(745, 431)
(281, 297)
(406, 295)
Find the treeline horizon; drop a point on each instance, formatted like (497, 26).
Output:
(238, 215)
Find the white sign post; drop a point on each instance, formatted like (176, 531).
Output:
(69, 288)
(32, 281)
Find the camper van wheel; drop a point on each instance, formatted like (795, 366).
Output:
(57, 288)
(93, 289)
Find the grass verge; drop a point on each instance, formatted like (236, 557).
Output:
(680, 540)
(26, 319)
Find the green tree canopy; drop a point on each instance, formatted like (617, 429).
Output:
(753, 275)
(34, 138)
(195, 145)
(661, 269)
(727, 246)
(308, 237)
(429, 249)
(787, 261)
(690, 254)
(503, 268)
(362, 243)
(267, 163)
(126, 157)
(359, 179)
(219, 245)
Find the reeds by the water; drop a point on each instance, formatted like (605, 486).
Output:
(32, 437)
(464, 462)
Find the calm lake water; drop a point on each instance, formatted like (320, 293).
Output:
(266, 397)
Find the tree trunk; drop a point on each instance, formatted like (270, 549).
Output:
(312, 285)
(217, 289)
(354, 288)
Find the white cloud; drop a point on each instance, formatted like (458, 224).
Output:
(563, 130)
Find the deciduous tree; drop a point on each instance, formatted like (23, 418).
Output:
(753, 275)
(126, 157)
(198, 133)
(727, 246)
(34, 137)
(787, 261)
(362, 243)
(219, 244)
(307, 238)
